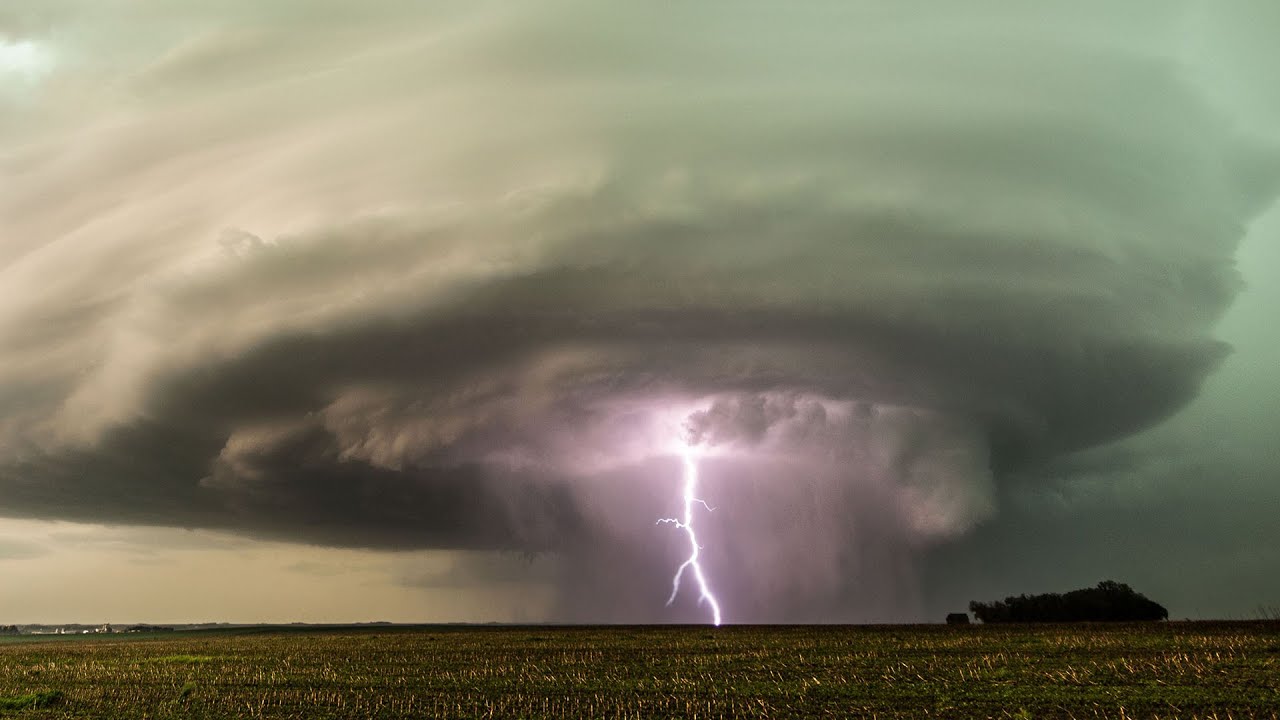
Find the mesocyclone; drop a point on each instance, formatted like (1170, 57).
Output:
(419, 280)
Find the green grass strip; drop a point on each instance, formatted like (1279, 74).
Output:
(181, 659)
(31, 700)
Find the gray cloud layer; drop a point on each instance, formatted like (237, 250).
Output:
(416, 278)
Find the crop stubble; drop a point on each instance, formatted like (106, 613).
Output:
(1165, 670)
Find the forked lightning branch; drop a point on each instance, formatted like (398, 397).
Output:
(689, 491)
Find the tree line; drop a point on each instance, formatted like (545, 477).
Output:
(1110, 601)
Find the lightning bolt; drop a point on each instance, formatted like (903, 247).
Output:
(686, 524)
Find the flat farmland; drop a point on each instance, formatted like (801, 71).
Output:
(1164, 670)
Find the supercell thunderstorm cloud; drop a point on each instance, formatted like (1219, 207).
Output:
(496, 277)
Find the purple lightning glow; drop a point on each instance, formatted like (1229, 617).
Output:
(686, 524)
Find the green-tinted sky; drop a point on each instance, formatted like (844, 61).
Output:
(404, 312)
